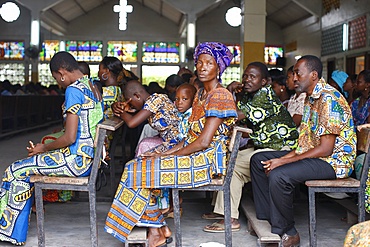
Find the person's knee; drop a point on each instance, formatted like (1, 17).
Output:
(256, 159)
(277, 178)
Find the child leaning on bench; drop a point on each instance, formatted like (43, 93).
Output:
(69, 155)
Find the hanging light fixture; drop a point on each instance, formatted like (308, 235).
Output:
(233, 16)
(9, 11)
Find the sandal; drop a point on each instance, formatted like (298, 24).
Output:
(212, 216)
(171, 214)
(220, 227)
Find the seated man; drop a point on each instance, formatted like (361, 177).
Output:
(326, 150)
(273, 129)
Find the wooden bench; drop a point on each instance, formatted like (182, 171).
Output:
(138, 235)
(345, 185)
(261, 227)
(216, 185)
(86, 184)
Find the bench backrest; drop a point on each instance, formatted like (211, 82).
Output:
(233, 148)
(363, 144)
(108, 125)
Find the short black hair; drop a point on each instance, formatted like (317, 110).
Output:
(84, 68)
(290, 69)
(63, 60)
(313, 63)
(262, 68)
(174, 80)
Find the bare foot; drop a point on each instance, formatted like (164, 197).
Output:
(166, 231)
(165, 210)
(156, 237)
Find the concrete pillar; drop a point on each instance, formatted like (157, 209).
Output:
(254, 31)
(36, 6)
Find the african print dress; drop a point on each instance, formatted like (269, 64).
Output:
(131, 205)
(110, 95)
(16, 193)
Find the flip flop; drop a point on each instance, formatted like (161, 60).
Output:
(212, 216)
(162, 245)
(218, 227)
(169, 240)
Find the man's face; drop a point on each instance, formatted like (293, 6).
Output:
(252, 79)
(302, 77)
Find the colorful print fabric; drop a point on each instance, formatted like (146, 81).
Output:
(358, 235)
(272, 125)
(326, 111)
(16, 192)
(184, 123)
(110, 95)
(360, 115)
(218, 51)
(133, 195)
(164, 118)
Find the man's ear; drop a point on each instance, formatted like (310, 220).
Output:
(314, 75)
(264, 82)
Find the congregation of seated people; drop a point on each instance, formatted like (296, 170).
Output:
(192, 117)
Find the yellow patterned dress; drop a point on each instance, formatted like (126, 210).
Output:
(110, 95)
(131, 205)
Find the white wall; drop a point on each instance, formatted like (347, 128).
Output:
(348, 11)
(307, 34)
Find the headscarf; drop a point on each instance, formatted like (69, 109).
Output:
(218, 51)
(339, 77)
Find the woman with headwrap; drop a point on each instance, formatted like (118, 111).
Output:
(191, 163)
(337, 80)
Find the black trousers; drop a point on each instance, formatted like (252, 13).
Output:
(273, 194)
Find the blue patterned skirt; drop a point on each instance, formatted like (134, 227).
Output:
(16, 192)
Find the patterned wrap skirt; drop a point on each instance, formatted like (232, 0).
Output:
(131, 205)
(16, 192)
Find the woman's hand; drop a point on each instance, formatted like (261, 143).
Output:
(33, 150)
(154, 154)
(363, 126)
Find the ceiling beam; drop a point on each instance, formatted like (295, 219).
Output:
(79, 5)
(53, 21)
(314, 7)
(40, 5)
(161, 8)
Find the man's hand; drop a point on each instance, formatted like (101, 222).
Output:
(120, 107)
(235, 86)
(270, 165)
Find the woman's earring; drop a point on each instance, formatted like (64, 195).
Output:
(62, 78)
(104, 76)
(281, 90)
